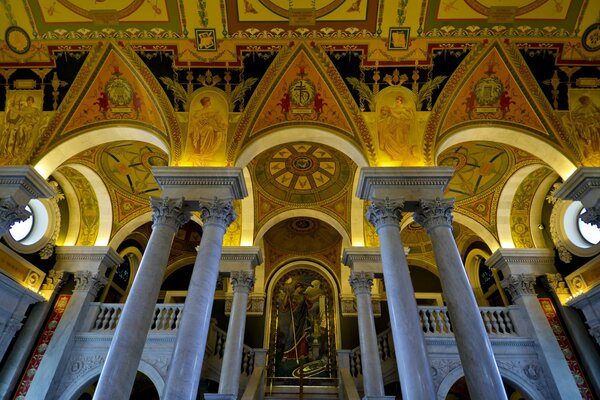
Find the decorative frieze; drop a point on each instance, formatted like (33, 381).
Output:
(256, 304)
(348, 306)
(170, 212)
(519, 285)
(434, 213)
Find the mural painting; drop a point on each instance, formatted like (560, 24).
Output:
(492, 93)
(207, 131)
(22, 125)
(583, 123)
(399, 143)
(302, 344)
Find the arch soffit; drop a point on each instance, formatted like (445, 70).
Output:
(92, 375)
(64, 151)
(537, 147)
(515, 381)
(346, 242)
(104, 203)
(305, 134)
(505, 202)
(308, 134)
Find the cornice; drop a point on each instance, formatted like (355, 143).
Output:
(582, 185)
(197, 183)
(403, 181)
(23, 183)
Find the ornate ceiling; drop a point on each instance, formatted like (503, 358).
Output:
(208, 80)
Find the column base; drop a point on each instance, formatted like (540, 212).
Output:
(219, 396)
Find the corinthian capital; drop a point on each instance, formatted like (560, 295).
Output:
(218, 212)
(170, 212)
(242, 281)
(11, 212)
(434, 213)
(518, 285)
(89, 281)
(385, 212)
(592, 216)
(361, 282)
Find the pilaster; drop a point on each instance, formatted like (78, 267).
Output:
(88, 265)
(520, 268)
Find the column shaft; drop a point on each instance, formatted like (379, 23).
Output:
(411, 355)
(234, 345)
(188, 355)
(409, 343)
(121, 365)
(361, 282)
(474, 347)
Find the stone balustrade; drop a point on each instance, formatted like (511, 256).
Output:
(436, 323)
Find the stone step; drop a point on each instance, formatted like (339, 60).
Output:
(308, 392)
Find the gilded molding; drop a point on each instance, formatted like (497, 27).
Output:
(54, 280)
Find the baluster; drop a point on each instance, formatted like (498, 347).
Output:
(386, 346)
(114, 320)
(440, 319)
(509, 325)
(99, 318)
(495, 326)
(108, 315)
(486, 321)
(178, 316)
(500, 319)
(447, 322)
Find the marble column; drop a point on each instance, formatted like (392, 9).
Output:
(361, 283)
(88, 266)
(474, 346)
(223, 185)
(391, 191)
(121, 365)
(188, 355)
(18, 185)
(584, 186)
(18, 357)
(229, 382)
(409, 343)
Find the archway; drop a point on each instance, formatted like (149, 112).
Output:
(302, 327)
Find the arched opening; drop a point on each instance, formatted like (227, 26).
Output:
(143, 389)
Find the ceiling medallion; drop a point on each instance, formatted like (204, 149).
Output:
(17, 39)
(303, 225)
(591, 38)
(302, 92)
